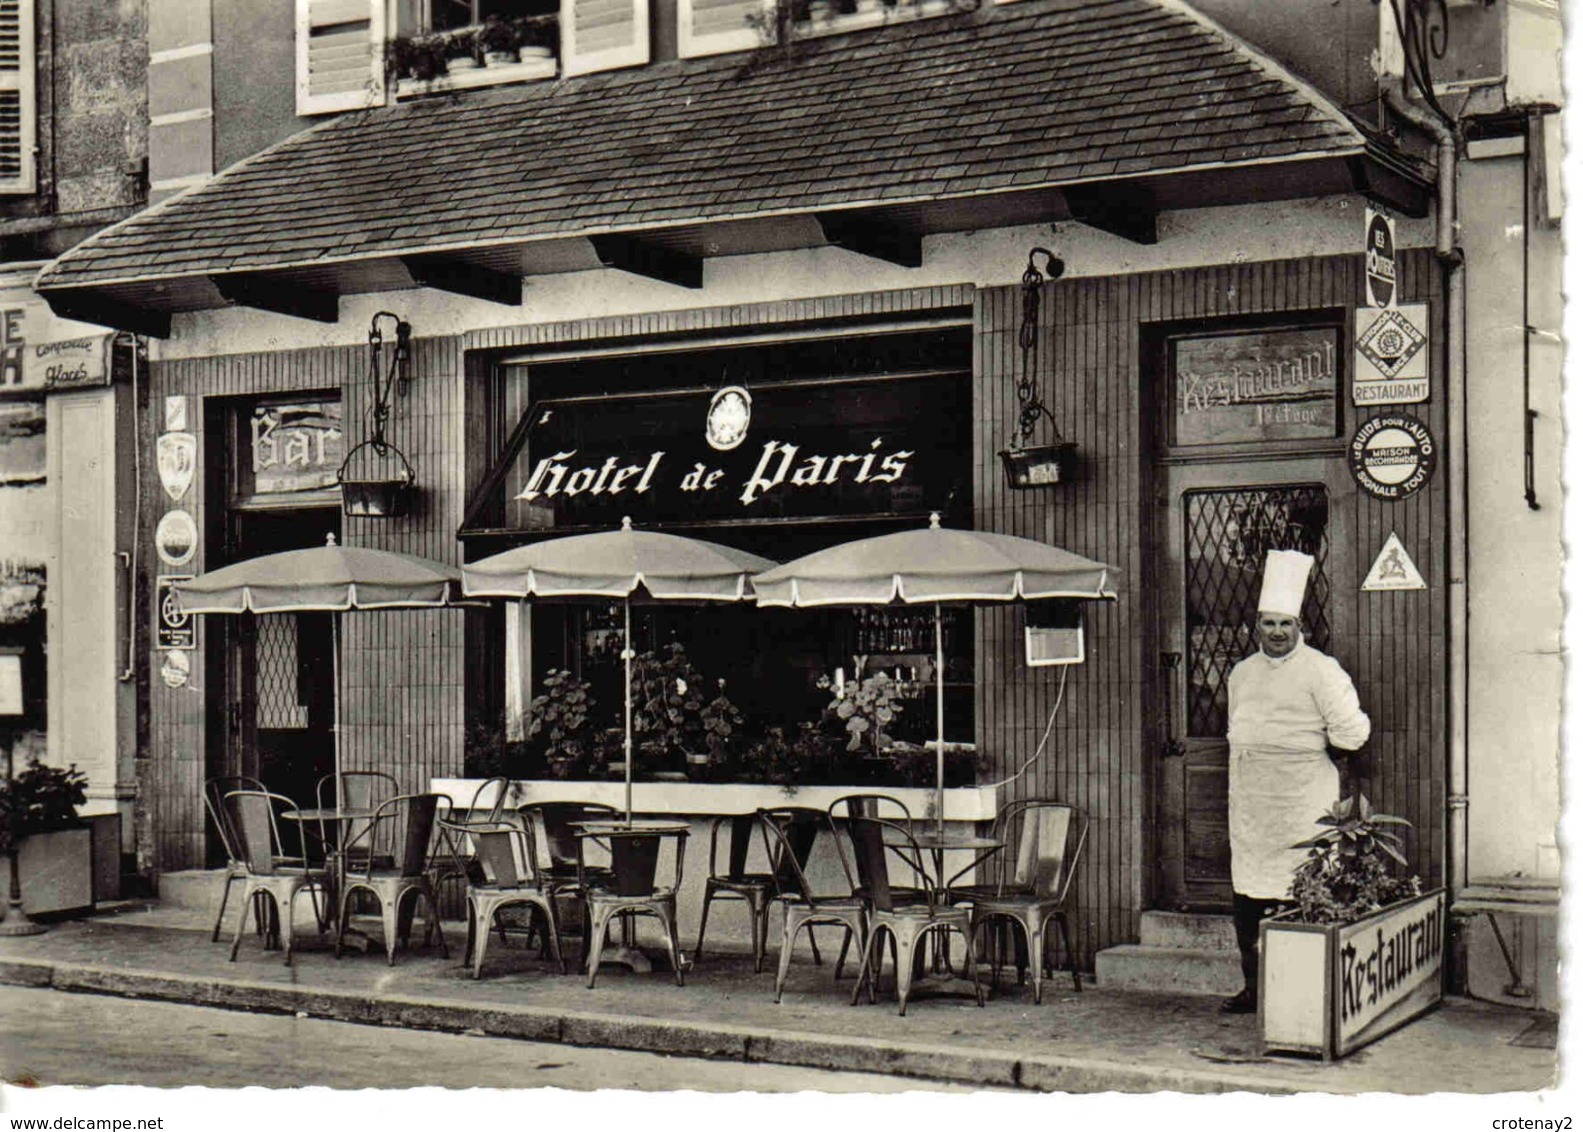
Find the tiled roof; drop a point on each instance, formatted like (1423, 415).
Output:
(1044, 92)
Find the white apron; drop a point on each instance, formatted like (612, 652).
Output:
(1276, 797)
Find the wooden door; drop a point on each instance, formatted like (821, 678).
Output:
(1219, 520)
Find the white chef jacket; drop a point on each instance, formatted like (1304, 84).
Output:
(1283, 712)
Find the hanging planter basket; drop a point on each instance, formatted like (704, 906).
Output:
(383, 498)
(1039, 465)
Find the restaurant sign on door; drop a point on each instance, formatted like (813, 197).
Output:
(812, 449)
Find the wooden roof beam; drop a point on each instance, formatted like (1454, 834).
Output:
(624, 253)
(870, 236)
(277, 296)
(1122, 209)
(462, 278)
(88, 307)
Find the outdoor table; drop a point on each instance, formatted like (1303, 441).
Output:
(625, 837)
(341, 818)
(939, 842)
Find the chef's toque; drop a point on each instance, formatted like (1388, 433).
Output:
(1285, 581)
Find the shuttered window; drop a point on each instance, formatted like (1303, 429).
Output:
(340, 55)
(710, 27)
(17, 102)
(598, 35)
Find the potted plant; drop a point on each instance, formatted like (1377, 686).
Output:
(417, 57)
(721, 720)
(866, 708)
(537, 36)
(462, 52)
(497, 41)
(53, 848)
(1361, 953)
(560, 718)
(667, 708)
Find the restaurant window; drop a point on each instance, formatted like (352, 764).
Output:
(847, 437)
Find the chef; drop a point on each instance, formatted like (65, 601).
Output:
(1288, 703)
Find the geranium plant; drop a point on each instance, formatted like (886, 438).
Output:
(560, 716)
(1348, 873)
(866, 708)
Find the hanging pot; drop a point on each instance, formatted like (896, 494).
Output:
(383, 498)
(1039, 465)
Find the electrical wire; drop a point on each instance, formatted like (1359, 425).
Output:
(1055, 709)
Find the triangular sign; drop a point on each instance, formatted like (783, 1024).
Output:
(1393, 570)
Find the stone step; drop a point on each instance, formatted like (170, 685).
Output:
(1196, 930)
(197, 889)
(1169, 970)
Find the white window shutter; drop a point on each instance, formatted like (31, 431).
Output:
(711, 27)
(600, 35)
(18, 101)
(340, 55)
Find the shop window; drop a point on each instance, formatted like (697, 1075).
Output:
(779, 492)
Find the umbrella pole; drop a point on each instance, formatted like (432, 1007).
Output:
(939, 723)
(335, 698)
(626, 660)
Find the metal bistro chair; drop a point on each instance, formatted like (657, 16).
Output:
(508, 874)
(400, 832)
(454, 862)
(875, 842)
(559, 848)
(1033, 885)
(214, 792)
(351, 790)
(881, 806)
(254, 817)
(633, 889)
(736, 883)
(790, 833)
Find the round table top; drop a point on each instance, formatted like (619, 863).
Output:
(637, 826)
(934, 839)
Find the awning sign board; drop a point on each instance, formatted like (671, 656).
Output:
(40, 353)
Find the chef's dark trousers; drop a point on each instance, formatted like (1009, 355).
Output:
(1246, 912)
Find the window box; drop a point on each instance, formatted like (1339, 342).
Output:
(495, 74)
(962, 804)
(868, 14)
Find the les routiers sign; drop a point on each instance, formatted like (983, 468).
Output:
(807, 450)
(40, 353)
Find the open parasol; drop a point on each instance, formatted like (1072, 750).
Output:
(937, 566)
(327, 578)
(623, 564)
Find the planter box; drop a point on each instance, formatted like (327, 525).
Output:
(962, 803)
(1329, 989)
(56, 871)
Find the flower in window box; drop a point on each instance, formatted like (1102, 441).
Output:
(537, 36)
(419, 57)
(461, 50)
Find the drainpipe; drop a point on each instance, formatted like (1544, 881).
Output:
(1451, 262)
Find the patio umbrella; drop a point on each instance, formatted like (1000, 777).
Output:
(618, 564)
(327, 578)
(935, 566)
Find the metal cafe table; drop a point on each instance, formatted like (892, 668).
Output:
(938, 841)
(341, 818)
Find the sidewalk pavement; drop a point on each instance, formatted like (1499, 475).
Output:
(1090, 1041)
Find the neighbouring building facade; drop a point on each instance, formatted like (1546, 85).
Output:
(833, 208)
(73, 159)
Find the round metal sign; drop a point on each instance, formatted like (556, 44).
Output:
(176, 538)
(175, 669)
(1392, 456)
(1379, 260)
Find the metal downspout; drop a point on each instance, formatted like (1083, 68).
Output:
(1451, 261)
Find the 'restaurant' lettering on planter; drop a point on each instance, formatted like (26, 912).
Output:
(1378, 967)
(781, 465)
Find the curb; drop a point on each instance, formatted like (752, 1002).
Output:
(686, 1039)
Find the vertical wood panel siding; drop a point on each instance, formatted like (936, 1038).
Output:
(1103, 747)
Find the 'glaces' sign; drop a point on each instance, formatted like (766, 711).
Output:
(814, 450)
